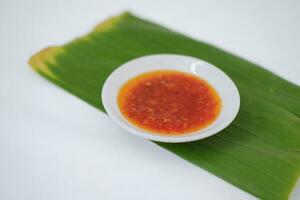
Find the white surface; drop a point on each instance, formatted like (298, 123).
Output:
(214, 76)
(54, 146)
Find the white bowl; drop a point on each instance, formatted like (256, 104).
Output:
(218, 79)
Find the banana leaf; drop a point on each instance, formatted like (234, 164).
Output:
(259, 152)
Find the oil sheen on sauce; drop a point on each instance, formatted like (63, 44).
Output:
(169, 102)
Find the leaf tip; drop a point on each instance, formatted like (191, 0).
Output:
(39, 61)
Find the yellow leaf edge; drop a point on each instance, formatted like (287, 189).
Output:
(40, 61)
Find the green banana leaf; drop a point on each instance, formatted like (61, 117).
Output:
(259, 152)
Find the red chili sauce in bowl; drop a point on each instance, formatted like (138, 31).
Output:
(169, 102)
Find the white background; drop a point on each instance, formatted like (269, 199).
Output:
(55, 146)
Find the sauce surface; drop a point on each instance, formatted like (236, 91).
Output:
(169, 102)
